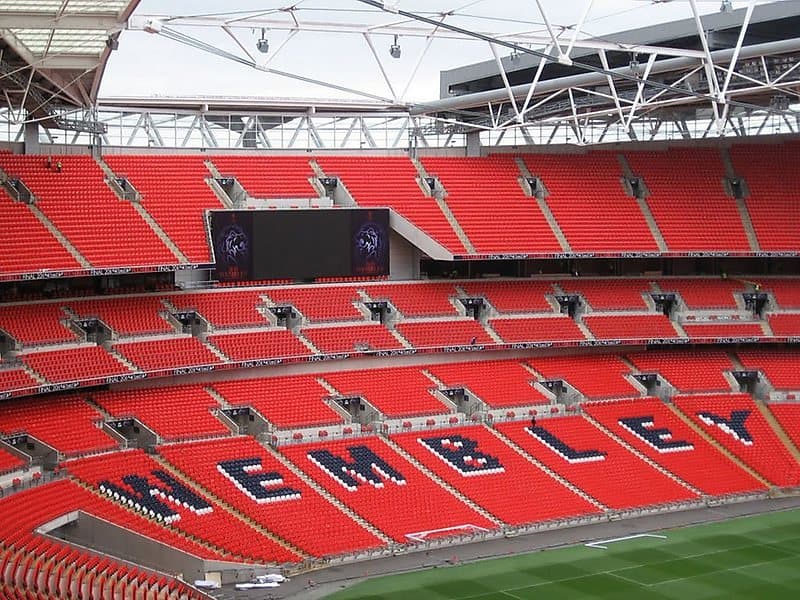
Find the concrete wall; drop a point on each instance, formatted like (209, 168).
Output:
(403, 258)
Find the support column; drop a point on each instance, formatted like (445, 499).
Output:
(32, 138)
(474, 143)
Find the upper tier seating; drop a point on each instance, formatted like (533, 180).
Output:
(610, 294)
(375, 181)
(286, 402)
(686, 370)
(383, 487)
(269, 176)
(320, 303)
(133, 315)
(16, 379)
(655, 431)
(630, 327)
(456, 456)
(782, 367)
(231, 308)
(486, 199)
(788, 416)
(35, 324)
(203, 519)
(499, 384)
(252, 480)
(736, 423)
(175, 193)
(167, 353)
(593, 375)
(512, 296)
(450, 332)
(688, 201)
(724, 329)
(9, 462)
(784, 324)
(396, 391)
(589, 459)
(416, 299)
(545, 329)
(596, 217)
(772, 198)
(349, 338)
(84, 209)
(33, 248)
(66, 423)
(181, 412)
(270, 343)
(84, 362)
(785, 291)
(701, 293)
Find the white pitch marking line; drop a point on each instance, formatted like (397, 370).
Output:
(600, 543)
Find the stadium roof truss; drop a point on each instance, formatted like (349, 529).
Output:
(52, 56)
(711, 74)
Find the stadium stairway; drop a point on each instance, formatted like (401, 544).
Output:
(779, 430)
(542, 203)
(309, 481)
(229, 508)
(639, 455)
(741, 206)
(644, 207)
(50, 226)
(731, 456)
(441, 482)
(548, 470)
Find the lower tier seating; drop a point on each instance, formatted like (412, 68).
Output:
(723, 330)
(654, 430)
(500, 384)
(736, 423)
(396, 392)
(512, 296)
(417, 299)
(286, 402)
(132, 315)
(167, 353)
(85, 362)
(256, 483)
(595, 376)
(610, 294)
(16, 379)
(35, 324)
(10, 462)
(231, 308)
(782, 367)
(374, 481)
(788, 416)
(630, 327)
(352, 338)
(66, 423)
(687, 371)
(700, 293)
(589, 459)
(320, 303)
(450, 332)
(490, 473)
(784, 324)
(179, 412)
(270, 343)
(133, 474)
(548, 329)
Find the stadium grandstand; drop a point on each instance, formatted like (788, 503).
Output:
(467, 272)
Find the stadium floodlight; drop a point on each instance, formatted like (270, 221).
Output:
(394, 49)
(263, 43)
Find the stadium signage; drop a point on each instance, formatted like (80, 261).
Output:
(775, 254)
(668, 341)
(58, 387)
(5, 395)
(111, 271)
(190, 370)
(405, 352)
(264, 362)
(326, 357)
(469, 348)
(125, 377)
(527, 345)
(42, 275)
(600, 343)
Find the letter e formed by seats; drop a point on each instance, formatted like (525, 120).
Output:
(660, 439)
(364, 467)
(249, 477)
(462, 454)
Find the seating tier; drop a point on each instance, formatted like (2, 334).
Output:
(596, 217)
(269, 176)
(595, 376)
(512, 296)
(349, 338)
(388, 492)
(322, 303)
(417, 299)
(725, 329)
(788, 416)
(610, 294)
(9, 462)
(736, 423)
(167, 353)
(243, 474)
(181, 412)
(490, 473)
(133, 315)
(546, 329)
(500, 384)
(589, 459)
(16, 379)
(36, 324)
(655, 431)
(701, 293)
(687, 371)
(286, 402)
(785, 291)
(782, 367)
(270, 343)
(450, 332)
(784, 324)
(630, 327)
(223, 309)
(74, 364)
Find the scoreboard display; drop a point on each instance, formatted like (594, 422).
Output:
(300, 244)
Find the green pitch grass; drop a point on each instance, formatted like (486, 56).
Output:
(749, 557)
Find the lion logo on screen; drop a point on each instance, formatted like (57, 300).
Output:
(370, 241)
(234, 245)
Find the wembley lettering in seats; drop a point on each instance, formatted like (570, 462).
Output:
(462, 454)
(734, 426)
(660, 439)
(364, 467)
(564, 450)
(153, 499)
(248, 475)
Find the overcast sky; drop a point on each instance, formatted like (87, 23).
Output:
(149, 65)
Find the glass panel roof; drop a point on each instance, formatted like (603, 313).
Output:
(64, 41)
(70, 6)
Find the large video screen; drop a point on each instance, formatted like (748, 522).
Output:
(300, 244)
